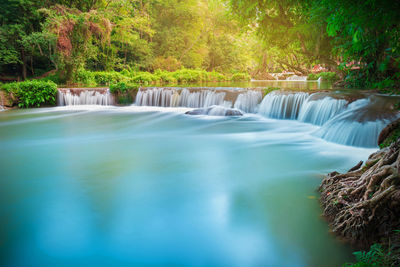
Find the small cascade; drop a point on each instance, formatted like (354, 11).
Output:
(360, 124)
(73, 97)
(319, 108)
(248, 101)
(216, 111)
(156, 97)
(355, 124)
(296, 78)
(280, 105)
(163, 97)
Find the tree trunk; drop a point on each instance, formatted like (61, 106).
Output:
(23, 64)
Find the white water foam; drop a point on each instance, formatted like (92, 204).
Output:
(282, 106)
(165, 97)
(84, 97)
(248, 101)
(318, 111)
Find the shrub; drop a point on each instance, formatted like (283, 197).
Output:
(214, 76)
(123, 87)
(33, 93)
(165, 76)
(107, 78)
(145, 78)
(377, 256)
(312, 77)
(185, 76)
(85, 77)
(326, 76)
(240, 77)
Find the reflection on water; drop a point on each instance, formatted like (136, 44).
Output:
(136, 186)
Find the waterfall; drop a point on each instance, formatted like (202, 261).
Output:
(360, 125)
(164, 97)
(296, 78)
(248, 101)
(73, 97)
(356, 124)
(316, 110)
(216, 111)
(282, 106)
(156, 97)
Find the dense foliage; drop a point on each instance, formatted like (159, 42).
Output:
(84, 77)
(325, 76)
(377, 256)
(106, 36)
(33, 93)
(358, 39)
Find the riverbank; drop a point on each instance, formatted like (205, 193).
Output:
(363, 205)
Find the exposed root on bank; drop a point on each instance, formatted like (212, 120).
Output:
(363, 205)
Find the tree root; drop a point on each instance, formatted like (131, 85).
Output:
(363, 205)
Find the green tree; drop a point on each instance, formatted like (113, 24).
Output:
(78, 36)
(367, 38)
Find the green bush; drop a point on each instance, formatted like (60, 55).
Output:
(123, 87)
(89, 78)
(165, 76)
(85, 77)
(187, 76)
(377, 256)
(107, 78)
(214, 76)
(145, 78)
(326, 76)
(240, 77)
(312, 77)
(33, 93)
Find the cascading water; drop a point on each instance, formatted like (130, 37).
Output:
(360, 124)
(248, 101)
(73, 97)
(319, 108)
(279, 105)
(164, 97)
(355, 124)
(296, 78)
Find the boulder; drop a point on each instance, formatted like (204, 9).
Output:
(7, 99)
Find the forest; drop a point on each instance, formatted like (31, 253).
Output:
(200, 132)
(65, 39)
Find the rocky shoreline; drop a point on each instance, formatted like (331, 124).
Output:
(363, 205)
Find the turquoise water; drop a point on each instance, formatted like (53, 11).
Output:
(134, 186)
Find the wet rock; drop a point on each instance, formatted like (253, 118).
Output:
(7, 99)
